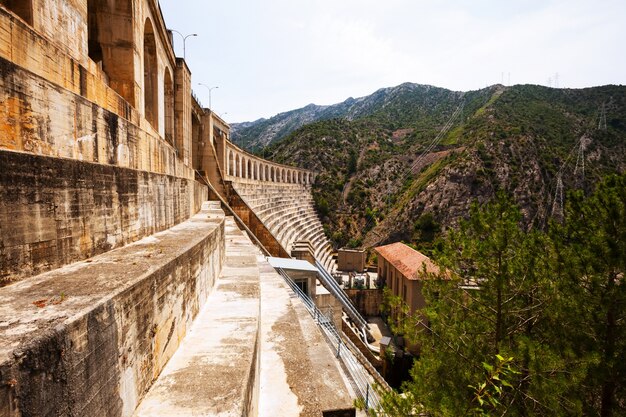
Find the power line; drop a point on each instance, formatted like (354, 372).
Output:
(557, 205)
(426, 151)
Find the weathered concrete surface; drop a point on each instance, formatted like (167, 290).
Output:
(214, 373)
(256, 226)
(58, 45)
(285, 212)
(39, 117)
(89, 339)
(55, 211)
(299, 374)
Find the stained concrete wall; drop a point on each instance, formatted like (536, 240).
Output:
(54, 211)
(37, 116)
(92, 337)
(54, 52)
(368, 302)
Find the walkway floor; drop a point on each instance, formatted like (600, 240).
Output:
(213, 371)
(299, 373)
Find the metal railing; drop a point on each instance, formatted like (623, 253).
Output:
(359, 377)
(335, 289)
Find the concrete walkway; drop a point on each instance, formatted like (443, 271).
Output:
(213, 372)
(299, 373)
(253, 350)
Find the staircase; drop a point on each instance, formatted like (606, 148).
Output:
(288, 213)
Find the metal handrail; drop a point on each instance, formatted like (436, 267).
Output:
(238, 219)
(355, 371)
(333, 287)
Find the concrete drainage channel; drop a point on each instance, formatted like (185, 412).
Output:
(359, 377)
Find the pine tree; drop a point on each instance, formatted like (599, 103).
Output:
(501, 300)
(592, 260)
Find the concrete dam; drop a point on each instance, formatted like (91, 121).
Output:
(136, 240)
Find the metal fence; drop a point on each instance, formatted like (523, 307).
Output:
(359, 377)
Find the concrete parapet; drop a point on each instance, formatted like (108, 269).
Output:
(215, 370)
(89, 339)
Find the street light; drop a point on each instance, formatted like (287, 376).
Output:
(209, 88)
(184, 41)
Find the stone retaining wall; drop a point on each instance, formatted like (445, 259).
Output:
(54, 211)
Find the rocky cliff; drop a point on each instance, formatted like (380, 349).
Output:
(406, 162)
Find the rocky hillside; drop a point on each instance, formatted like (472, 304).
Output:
(407, 162)
(263, 132)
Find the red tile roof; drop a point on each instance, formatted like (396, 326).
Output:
(407, 260)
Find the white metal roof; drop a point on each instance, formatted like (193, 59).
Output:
(293, 264)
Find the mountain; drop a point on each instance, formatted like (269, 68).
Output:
(407, 162)
(263, 132)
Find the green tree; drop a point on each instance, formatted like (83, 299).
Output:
(591, 253)
(497, 297)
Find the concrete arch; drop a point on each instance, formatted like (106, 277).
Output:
(267, 173)
(168, 90)
(237, 166)
(230, 164)
(299, 177)
(150, 75)
(272, 174)
(113, 51)
(283, 175)
(22, 8)
(249, 169)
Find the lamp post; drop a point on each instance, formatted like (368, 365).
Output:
(184, 41)
(209, 88)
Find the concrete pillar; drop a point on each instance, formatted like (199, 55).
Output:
(182, 110)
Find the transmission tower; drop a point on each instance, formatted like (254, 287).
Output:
(580, 161)
(602, 120)
(557, 205)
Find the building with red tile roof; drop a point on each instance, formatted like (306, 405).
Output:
(403, 269)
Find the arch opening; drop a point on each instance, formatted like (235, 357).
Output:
(150, 76)
(168, 89)
(112, 50)
(22, 8)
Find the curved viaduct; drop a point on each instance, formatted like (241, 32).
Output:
(273, 200)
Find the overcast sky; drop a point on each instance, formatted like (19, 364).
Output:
(276, 55)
